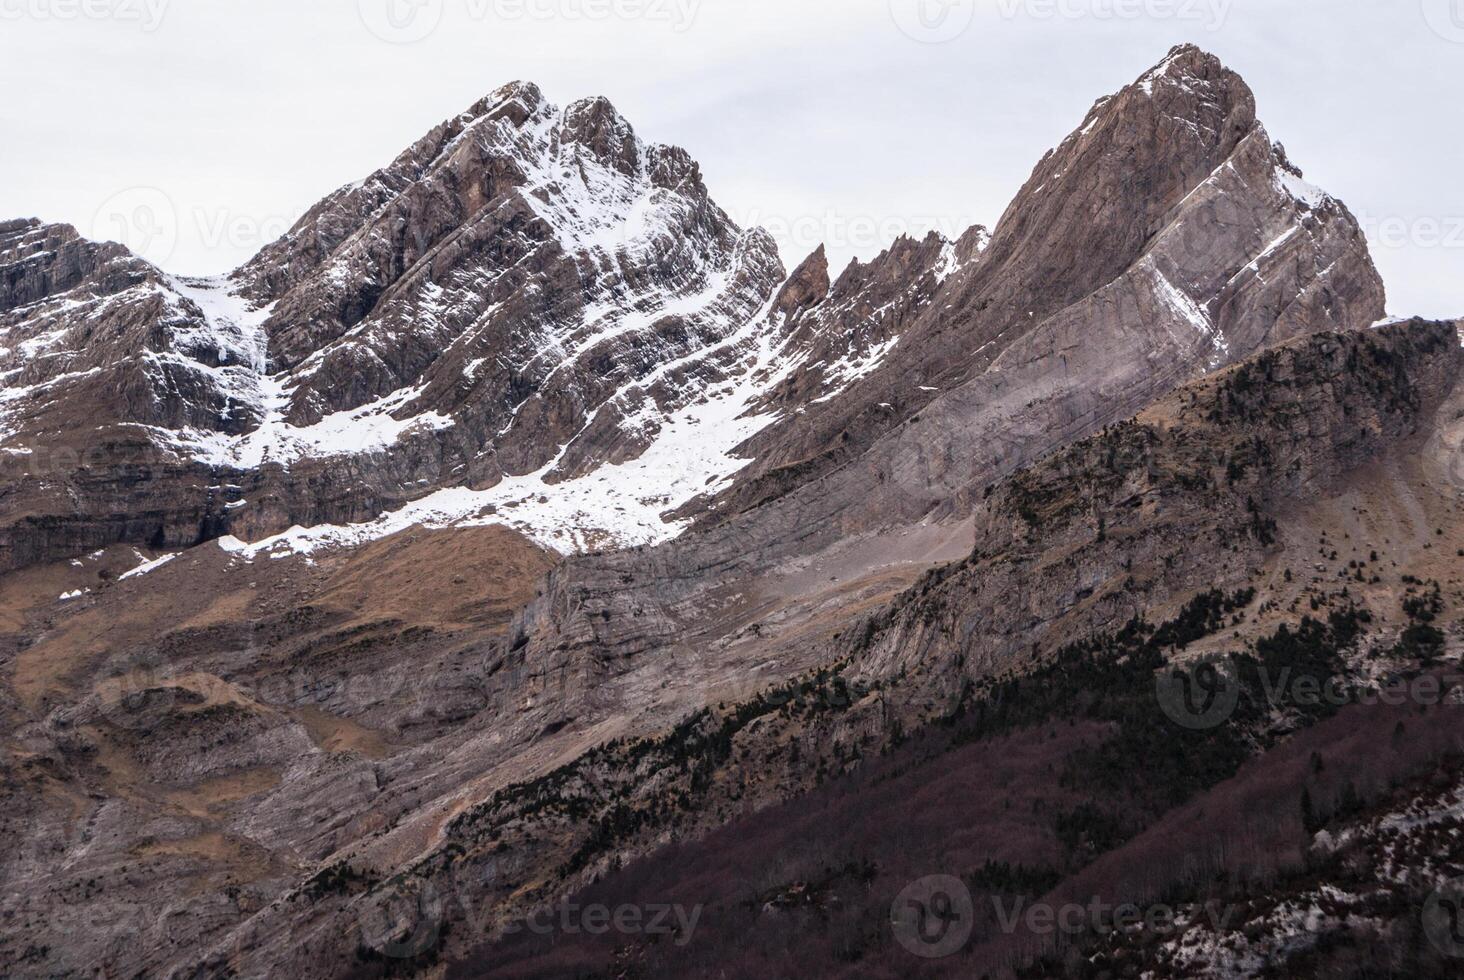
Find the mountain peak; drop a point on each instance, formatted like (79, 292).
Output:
(1189, 86)
(1187, 57)
(1188, 81)
(1166, 133)
(1184, 64)
(516, 101)
(806, 287)
(520, 90)
(597, 125)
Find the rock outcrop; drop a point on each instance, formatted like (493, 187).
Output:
(1008, 363)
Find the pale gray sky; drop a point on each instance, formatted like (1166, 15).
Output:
(839, 120)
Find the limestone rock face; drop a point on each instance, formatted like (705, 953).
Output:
(1030, 342)
(1170, 206)
(107, 363)
(372, 576)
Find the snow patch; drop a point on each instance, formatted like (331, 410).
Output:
(370, 428)
(1301, 191)
(844, 373)
(146, 567)
(231, 324)
(948, 263)
(1197, 316)
(624, 504)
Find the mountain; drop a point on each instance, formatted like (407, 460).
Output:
(526, 294)
(1169, 210)
(516, 529)
(1003, 367)
(533, 303)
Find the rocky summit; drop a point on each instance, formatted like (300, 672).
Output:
(517, 537)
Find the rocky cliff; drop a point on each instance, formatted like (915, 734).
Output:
(1240, 254)
(516, 518)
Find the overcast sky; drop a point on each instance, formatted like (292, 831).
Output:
(219, 122)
